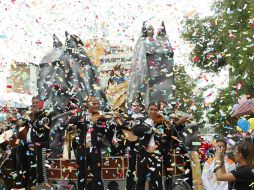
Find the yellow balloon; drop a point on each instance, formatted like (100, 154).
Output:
(238, 129)
(251, 121)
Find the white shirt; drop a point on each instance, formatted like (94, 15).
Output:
(209, 178)
(28, 136)
(136, 115)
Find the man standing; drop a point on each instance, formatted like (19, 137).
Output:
(208, 175)
(132, 148)
(90, 140)
(39, 136)
(149, 161)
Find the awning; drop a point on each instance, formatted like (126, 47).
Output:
(245, 108)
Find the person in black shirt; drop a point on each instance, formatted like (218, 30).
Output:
(149, 160)
(243, 177)
(136, 112)
(94, 133)
(40, 122)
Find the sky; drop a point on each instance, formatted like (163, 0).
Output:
(27, 26)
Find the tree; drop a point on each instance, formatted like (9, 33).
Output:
(189, 99)
(225, 39)
(220, 112)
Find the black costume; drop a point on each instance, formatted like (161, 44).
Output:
(91, 138)
(149, 162)
(175, 144)
(125, 145)
(40, 143)
(14, 168)
(132, 154)
(169, 147)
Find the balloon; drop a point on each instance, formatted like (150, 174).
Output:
(238, 129)
(243, 124)
(251, 121)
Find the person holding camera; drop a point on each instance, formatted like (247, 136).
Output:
(243, 177)
(208, 176)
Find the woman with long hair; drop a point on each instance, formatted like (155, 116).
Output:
(243, 177)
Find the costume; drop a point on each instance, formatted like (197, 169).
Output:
(132, 151)
(149, 160)
(39, 135)
(92, 137)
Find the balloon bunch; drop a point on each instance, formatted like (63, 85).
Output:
(244, 125)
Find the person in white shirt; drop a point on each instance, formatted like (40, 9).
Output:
(208, 175)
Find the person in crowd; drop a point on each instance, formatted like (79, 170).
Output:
(243, 177)
(163, 105)
(203, 150)
(22, 164)
(10, 145)
(137, 109)
(164, 110)
(92, 135)
(136, 112)
(208, 176)
(74, 112)
(149, 162)
(172, 145)
(8, 131)
(38, 139)
(116, 88)
(249, 137)
(15, 163)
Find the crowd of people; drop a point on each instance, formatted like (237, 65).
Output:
(24, 145)
(146, 136)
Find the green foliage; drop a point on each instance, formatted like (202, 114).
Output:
(221, 111)
(229, 33)
(189, 100)
(204, 33)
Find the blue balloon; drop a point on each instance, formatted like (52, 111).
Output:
(243, 124)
